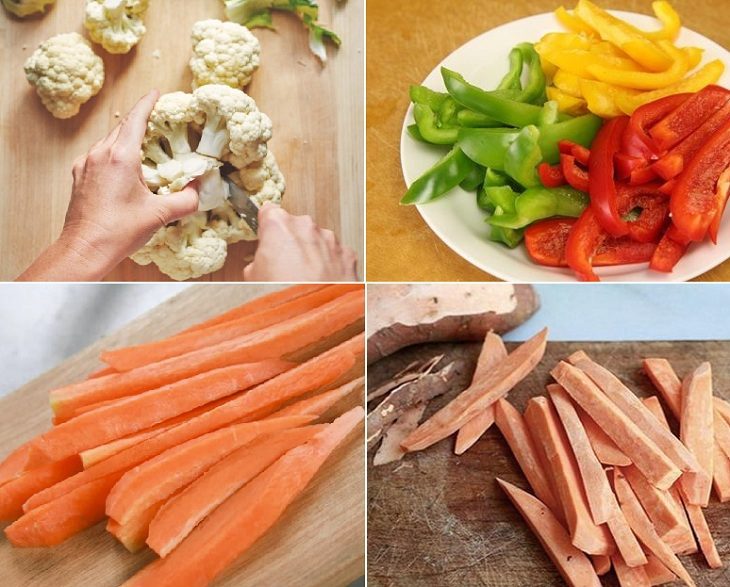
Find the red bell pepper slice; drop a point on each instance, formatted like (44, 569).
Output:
(551, 176)
(574, 174)
(667, 187)
(600, 171)
(625, 164)
(688, 116)
(654, 211)
(694, 203)
(636, 142)
(641, 176)
(582, 244)
(580, 152)
(722, 193)
(669, 251)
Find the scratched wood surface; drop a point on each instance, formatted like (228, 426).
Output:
(317, 114)
(405, 42)
(319, 542)
(437, 519)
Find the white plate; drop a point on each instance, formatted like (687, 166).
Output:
(458, 221)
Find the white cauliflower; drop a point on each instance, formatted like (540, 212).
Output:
(66, 73)
(115, 24)
(214, 130)
(23, 8)
(223, 53)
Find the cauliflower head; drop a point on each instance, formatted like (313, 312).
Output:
(216, 134)
(223, 53)
(23, 8)
(66, 73)
(115, 24)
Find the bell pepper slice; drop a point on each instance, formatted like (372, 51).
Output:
(512, 79)
(641, 175)
(534, 90)
(581, 153)
(636, 141)
(551, 176)
(471, 119)
(688, 117)
(474, 179)
(694, 203)
(579, 61)
(486, 146)
(583, 241)
(722, 193)
(428, 129)
(581, 130)
(669, 251)
(571, 22)
(653, 208)
(566, 103)
(601, 97)
(559, 41)
(537, 203)
(523, 156)
(625, 164)
(427, 97)
(448, 172)
(622, 251)
(670, 22)
(568, 83)
(604, 199)
(667, 187)
(575, 175)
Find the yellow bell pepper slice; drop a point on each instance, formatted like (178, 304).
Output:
(571, 22)
(694, 56)
(578, 61)
(627, 38)
(567, 83)
(642, 80)
(600, 97)
(606, 48)
(670, 22)
(566, 103)
(708, 74)
(557, 41)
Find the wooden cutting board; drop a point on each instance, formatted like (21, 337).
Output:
(317, 114)
(320, 540)
(437, 519)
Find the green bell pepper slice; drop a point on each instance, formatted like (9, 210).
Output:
(486, 146)
(534, 90)
(538, 203)
(428, 97)
(449, 172)
(512, 80)
(475, 179)
(507, 236)
(429, 129)
(446, 116)
(581, 130)
(471, 119)
(485, 197)
(549, 113)
(523, 156)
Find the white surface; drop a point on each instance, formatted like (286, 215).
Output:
(44, 323)
(457, 220)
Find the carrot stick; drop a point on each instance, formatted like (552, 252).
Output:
(141, 411)
(274, 342)
(479, 395)
(629, 576)
(492, 353)
(243, 518)
(22, 459)
(318, 405)
(595, 484)
(631, 405)
(314, 374)
(658, 574)
(697, 432)
(572, 564)
(605, 448)
(644, 530)
(56, 521)
(16, 492)
(101, 372)
(256, 305)
(128, 358)
(704, 537)
(529, 457)
(546, 429)
(177, 518)
(134, 533)
(642, 451)
(601, 564)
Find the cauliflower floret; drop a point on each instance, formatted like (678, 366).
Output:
(115, 24)
(66, 73)
(263, 182)
(223, 53)
(23, 8)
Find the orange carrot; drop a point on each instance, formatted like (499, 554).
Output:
(546, 429)
(134, 533)
(318, 405)
(629, 576)
(605, 448)
(128, 358)
(101, 372)
(479, 395)
(164, 474)
(243, 518)
(529, 456)
(314, 374)
(644, 530)
(704, 537)
(573, 565)
(642, 451)
(631, 405)
(16, 492)
(658, 574)
(492, 353)
(274, 342)
(256, 305)
(697, 432)
(22, 459)
(181, 514)
(58, 520)
(141, 411)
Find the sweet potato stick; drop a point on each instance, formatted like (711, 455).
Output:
(629, 576)
(605, 448)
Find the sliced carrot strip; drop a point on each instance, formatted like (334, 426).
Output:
(181, 514)
(16, 492)
(605, 448)
(244, 517)
(479, 395)
(128, 358)
(546, 428)
(492, 353)
(318, 405)
(704, 537)
(134, 533)
(314, 374)
(631, 405)
(642, 451)
(658, 574)
(697, 432)
(629, 576)
(22, 459)
(101, 372)
(529, 457)
(573, 565)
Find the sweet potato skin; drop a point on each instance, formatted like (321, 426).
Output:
(468, 327)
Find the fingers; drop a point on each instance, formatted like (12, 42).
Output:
(132, 128)
(178, 204)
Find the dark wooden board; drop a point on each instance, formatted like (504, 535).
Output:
(437, 519)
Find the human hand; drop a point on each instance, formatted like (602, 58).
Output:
(294, 248)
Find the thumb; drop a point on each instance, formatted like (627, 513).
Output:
(182, 203)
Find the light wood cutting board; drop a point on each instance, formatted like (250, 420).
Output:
(317, 114)
(319, 542)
